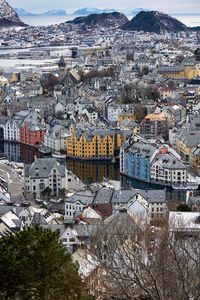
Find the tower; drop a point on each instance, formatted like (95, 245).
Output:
(62, 67)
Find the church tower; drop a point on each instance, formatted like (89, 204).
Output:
(62, 67)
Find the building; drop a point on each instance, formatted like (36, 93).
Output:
(91, 114)
(43, 173)
(188, 69)
(135, 160)
(11, 130)
(168, 169)
(98, 143)
(56, 138)
(126, 115)
(186, 141)
(195, 159)
(154, 124)
(113, 112)
(31, 133)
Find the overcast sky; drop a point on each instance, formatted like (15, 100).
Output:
(169, 6)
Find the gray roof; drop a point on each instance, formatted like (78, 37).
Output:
(42, 167)
(168, 161)
(16, 209)
(106, 195)
(190, 138)
(144, 150)
(89, 134)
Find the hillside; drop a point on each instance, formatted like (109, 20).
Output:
(107, 20)
(8, 17)
(154, 21)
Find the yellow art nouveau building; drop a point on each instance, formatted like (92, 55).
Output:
(91, 144)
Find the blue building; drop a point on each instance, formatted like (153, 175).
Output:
(135, 160)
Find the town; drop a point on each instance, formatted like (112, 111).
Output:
(85, 109)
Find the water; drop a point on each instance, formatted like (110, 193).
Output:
(88, 171)
(189, 20)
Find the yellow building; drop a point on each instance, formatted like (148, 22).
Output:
(14, 78)
(188, 69)
(126, 115)
(186, 142)
(91, 144)
(195, 159)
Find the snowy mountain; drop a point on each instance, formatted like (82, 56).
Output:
(23, 13)
(56, 12)
(9, 17)
(133, 11)
(91, 10)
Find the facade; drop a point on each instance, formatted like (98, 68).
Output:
(195, 160)
(91, 114)
(31, 133)
(187, 70)
(154, 125)
(135, 161)
(166, 168)
(43, 173)
(126, 115)
(11, 130)
(56, 138)
(113, 112)
(186, 141)
(91, 144)
(72, 207)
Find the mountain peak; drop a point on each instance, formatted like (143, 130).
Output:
(9, 17)
(154, 21)
(107, 20)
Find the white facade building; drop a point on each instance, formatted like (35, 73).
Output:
(91, 114)
(43, 173)
(11, 130)
(72, 207)
(56, 138)
(168, 169)
(113, 113)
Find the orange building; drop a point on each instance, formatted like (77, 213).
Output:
(31, 134)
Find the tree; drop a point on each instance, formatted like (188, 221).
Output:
(144, 263)
(62, 193)
(46, 192)
(34, 265)
(140, 112)
(183, 207)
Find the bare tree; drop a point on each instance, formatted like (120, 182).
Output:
(139, 262)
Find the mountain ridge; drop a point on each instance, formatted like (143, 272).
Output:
(8, 16)
(108, 20)
(154, 21)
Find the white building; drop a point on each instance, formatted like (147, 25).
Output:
(113, 112)
(168, 169)
(72, 207)
(56, 138)
(43, 173)
(91, 114)
(11, 130)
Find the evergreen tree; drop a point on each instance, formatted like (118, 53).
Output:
(35, 265)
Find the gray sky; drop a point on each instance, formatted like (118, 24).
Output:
(169, 6)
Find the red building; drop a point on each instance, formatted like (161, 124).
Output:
(31, 134)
